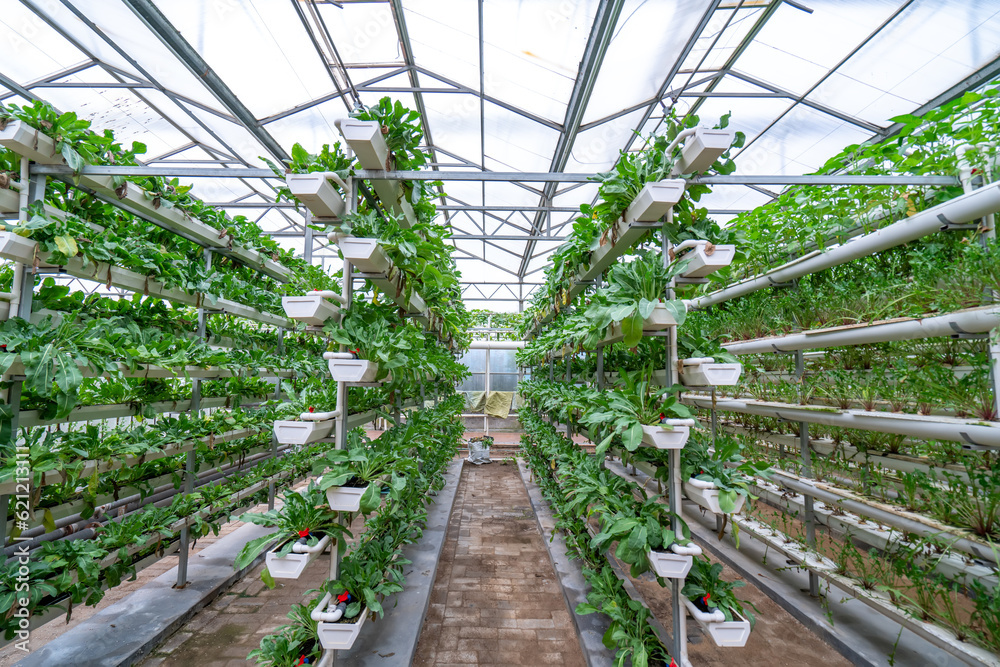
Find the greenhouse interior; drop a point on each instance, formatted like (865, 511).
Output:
(500, 332)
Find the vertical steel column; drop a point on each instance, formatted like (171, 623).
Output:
(569, 378)
(487, 385)
(191, 460)
(805, 450)
(274, 438)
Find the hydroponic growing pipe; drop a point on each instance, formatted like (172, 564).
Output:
(971, 434)
(894, 519)
(957, 211)
(971, 321)
(159, 495)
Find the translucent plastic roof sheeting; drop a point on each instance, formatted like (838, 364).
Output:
(800, 84)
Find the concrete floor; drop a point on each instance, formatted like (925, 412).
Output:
(496, 600)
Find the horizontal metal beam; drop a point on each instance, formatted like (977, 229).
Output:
(501, 176)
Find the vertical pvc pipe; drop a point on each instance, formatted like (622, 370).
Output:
(679, 651)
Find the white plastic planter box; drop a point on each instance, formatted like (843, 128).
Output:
(668, 565)
(345, 498)
(341, 635)
(730, 634)
(366, 140)
(703, 148)
(21, 138)
(702, 263)
(706, 495)
(353, 370)
(654, 200)
(17, 248)
(309, 309)
(302, 432)
(705, 372)
(293, 565)
(676, 438)
(317, 193)
(659, 319)
(365, 254)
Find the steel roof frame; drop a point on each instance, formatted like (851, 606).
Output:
(539, 228)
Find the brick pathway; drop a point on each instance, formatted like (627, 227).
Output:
(495, 599)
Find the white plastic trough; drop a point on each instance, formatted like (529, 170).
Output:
(302, 432)
(365, 254)
(704, 258)
(669, 565)
(345, 498)
(705, 372)
(706, 495)
(654, 200)
(317, 193)
(294, 564)
(339, 636)
(703, 148)
(659, 319)
(730, 634)
(311, 309)
(17, 248)
(353, 370)
(660, 438)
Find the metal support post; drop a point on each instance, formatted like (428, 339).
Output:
(600, 368)
(191, 460)
(805, 451)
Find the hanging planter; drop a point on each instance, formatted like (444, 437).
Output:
(654, 200)
(670, 565)
(353, 370)
(706, 372)
(706, 495)
(705, 258)
(661, 438)
(317, 193)
(340, 635)
(659, 319)
(311, 309)
(730, 634)
(365, 254)
(302, 432)
(292, 565)
(17, 248)
(345, 498)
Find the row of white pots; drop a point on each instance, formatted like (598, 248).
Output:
(706, 372)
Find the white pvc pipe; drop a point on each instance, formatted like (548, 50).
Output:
(976, 434)
(714, 617)
(678, 139)
(330, 294)
(689, 550)
(957, 211)
(971, 321)
(316, 548)
(700, 483)
(319, 615)
(337, 355)
(319, 416)
(697, 361)
(496, 345)
(22, 204)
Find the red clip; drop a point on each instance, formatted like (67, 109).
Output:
(344, 597)
(304, 533)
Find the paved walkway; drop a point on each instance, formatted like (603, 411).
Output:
(495, 600)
